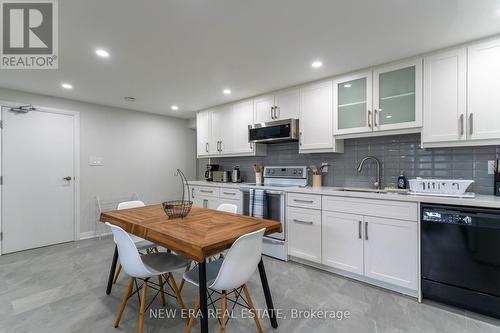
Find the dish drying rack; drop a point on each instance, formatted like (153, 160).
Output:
(441, 187)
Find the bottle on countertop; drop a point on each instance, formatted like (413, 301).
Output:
(402, 181)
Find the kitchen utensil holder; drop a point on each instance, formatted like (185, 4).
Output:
(317, 180)
(258, 178)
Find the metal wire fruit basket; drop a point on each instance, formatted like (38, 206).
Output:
(179, 208)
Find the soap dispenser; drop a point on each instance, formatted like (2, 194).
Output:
(402, 181)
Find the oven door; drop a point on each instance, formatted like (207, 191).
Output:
(275, 209)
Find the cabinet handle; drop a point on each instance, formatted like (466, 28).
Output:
(370, 118)
(360, 233)
(251, 146)
(461, 124)
(206, 191)
(300, 138)
(272, 112)
(303, 222)
(206, 147)
(366, 230)
(471, 123)
(192, 193)
(304, 201)
(375, 117)
(229, 193)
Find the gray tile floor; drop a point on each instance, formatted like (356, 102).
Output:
(61, 289)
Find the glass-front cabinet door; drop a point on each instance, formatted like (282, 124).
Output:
(353, 104)
(397, 96)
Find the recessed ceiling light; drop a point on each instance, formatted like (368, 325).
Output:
(129, 98)
(174, 107)
(227, 91)
(66, 86)
(316, 64)
(102, 53)
(348, 85)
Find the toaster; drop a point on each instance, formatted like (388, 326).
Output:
(222, 176)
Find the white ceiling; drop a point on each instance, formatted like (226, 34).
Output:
(186, 52)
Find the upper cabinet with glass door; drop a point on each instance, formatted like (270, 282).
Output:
(397, 96)
(387, 98)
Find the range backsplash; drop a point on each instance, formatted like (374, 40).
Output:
(396, 153)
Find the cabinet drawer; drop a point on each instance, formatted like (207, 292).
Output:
(304, 233)
(304, 200)
(381, 208)
(230, 193)
(205, 191)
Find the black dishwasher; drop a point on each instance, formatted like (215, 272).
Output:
(461, 257)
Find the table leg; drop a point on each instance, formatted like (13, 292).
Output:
(203, 296)
(112, 271)
(267, 294)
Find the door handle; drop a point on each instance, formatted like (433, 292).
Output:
(471, 123)
(303, 222)
(461, 124)
(67, 178)
(370, 118)
(360, 236)
(272, 112)
(375, 117)
(366, 230)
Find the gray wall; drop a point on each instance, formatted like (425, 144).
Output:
(395, 152)
(141, 152)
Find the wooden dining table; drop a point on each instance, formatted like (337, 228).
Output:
(201, 234)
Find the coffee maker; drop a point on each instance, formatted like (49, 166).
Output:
(209, 173)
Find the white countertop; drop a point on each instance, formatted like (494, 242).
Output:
(481, 200)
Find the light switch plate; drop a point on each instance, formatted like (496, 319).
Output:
(96, 161)
(491, 167)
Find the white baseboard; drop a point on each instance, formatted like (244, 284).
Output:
(91, 234)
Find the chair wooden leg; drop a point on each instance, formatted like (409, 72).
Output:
(188, 267)
(126, 296)
(117, 273)
(162, 292)
(178, 295)
(252, 308)
(143, 305)
(192, 319)
(223, 309)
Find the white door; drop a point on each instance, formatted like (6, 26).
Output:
(304, 233)
(288, 104)
(397, 96)
(352, 104)
(225, 126)
(391, 251)
(242, 117)
(316, 114)
(445, 92)
(263, 108)
(343, 241)
(202, 132)
(484, 88)
(38, 203)
(215, 122)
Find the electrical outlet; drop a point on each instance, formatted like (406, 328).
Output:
(491, 167)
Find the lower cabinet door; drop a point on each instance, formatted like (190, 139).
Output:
(343, 241)
(391, 251)
(304, 233)
(212, 203)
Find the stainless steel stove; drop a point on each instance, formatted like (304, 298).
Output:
(276, 180)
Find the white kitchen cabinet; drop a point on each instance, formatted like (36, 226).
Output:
(397, 96)
(352, 100)
(202, 133)
(483, 90)
(445, 97)
(391, 251)
(221, 130)
(304, 233)
(263, 109)
(287, 104)
(242, 117)
(316, 119)
(342, 241)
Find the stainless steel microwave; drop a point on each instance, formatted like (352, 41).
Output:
(274, 131)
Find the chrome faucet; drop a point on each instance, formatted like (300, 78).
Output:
(378, 183)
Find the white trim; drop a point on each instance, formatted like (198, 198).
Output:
(76, 159)
(91, 234)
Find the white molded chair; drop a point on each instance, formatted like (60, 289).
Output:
(140, 243)
(231, 274)
(144, 267)
(228, 208)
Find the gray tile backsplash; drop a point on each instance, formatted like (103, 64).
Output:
(396, 153)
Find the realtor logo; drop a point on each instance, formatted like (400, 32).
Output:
(29, 34)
